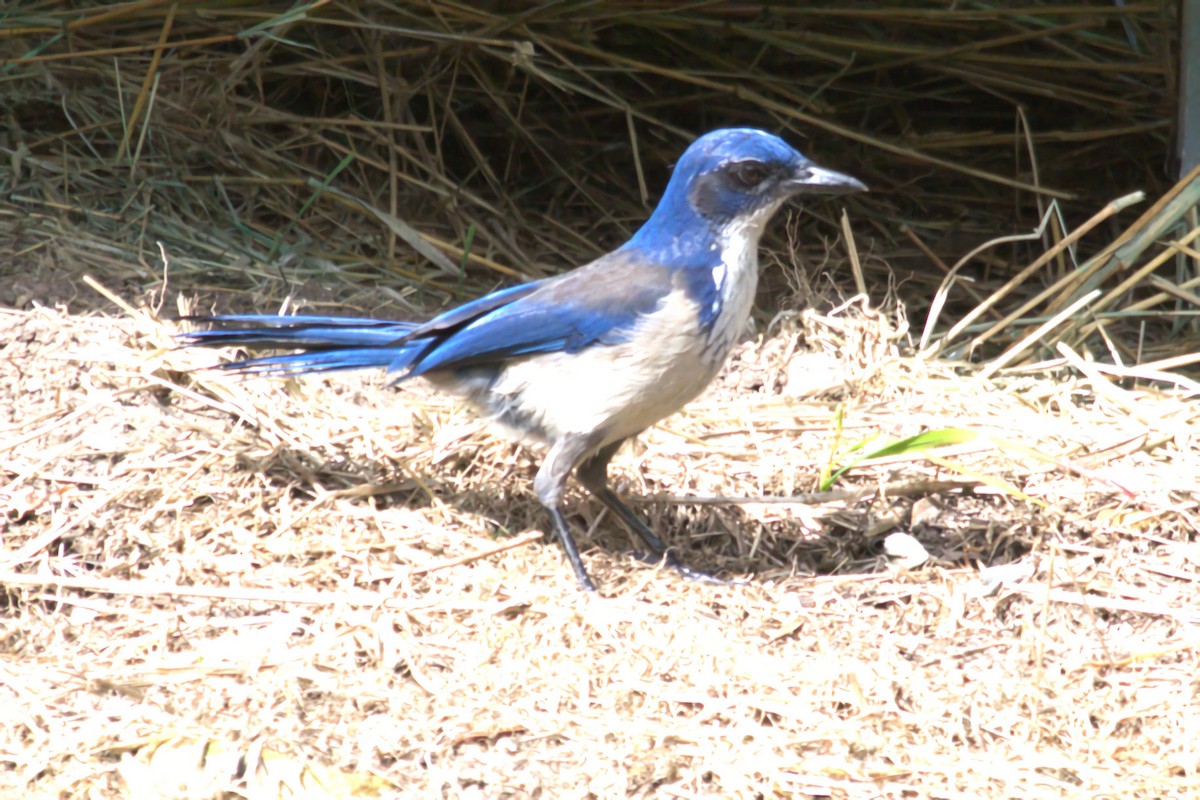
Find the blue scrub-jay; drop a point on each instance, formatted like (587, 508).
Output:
(585, 360)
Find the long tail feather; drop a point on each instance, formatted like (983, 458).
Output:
(325, 344)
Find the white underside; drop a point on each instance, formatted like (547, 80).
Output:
(620, 390)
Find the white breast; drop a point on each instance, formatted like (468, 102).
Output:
(621, 389)
(736, 278)
(618, 389)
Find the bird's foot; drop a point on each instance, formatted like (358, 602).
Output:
(683, 570)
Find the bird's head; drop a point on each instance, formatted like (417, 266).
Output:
(734, 176)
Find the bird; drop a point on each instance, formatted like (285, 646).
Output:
(583, 361)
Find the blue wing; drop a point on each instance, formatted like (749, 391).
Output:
(596, 304)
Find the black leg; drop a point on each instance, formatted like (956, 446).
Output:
(549, 484)
(568, 544)
(593, 474)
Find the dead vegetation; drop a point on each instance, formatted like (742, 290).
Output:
(250, 588)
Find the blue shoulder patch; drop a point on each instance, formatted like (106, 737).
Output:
(694, 260)
(596, 304)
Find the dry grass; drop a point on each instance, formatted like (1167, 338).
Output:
(235, 588)
(338, 577)
(282, 149)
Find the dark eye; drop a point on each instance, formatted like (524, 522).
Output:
(749, 174)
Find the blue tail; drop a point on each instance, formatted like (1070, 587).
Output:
(325, 344)
(598, 305)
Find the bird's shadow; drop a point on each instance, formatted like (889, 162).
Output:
(721, 540)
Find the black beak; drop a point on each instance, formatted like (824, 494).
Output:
(811, 179)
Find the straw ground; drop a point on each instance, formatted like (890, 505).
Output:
(219, 585)
(222, 588)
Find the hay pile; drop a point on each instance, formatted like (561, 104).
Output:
(234, 588)
(318, 144)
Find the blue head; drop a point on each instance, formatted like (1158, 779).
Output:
(731, 177)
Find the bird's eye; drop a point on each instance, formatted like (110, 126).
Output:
(749, 174)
